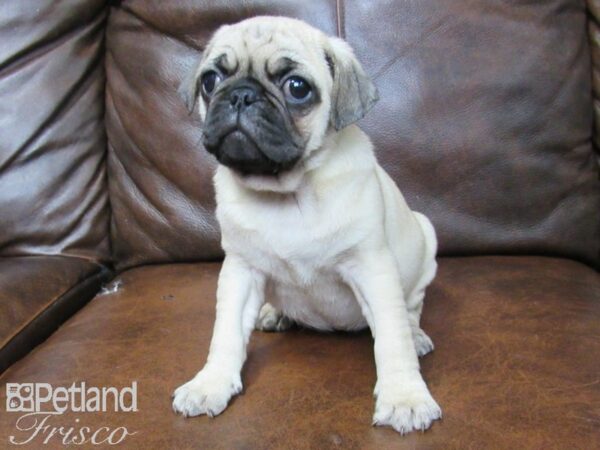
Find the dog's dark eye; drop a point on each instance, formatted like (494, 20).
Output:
(209, 81)
(297, 89)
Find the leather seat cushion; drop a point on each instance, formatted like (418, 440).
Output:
(37, 293)
(516, 363)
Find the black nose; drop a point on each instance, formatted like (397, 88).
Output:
(242, 96)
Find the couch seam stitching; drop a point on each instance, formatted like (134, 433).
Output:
(339, 10)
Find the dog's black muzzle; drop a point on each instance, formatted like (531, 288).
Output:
(249, 132)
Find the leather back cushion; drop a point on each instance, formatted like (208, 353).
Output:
(594, 37)
(53, 197)
(484, 121)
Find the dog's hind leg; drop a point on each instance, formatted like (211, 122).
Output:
(271, 319)
(423, 343)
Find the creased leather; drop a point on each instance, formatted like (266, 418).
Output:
(594, 37)
(53, 193)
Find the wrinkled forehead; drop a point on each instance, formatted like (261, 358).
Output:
(265, 48)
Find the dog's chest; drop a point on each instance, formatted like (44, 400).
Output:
(289, 247)
(299, 252)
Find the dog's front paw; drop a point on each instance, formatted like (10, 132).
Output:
(207, 393)
(405, 407)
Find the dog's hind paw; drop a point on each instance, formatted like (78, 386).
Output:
(423, 343)
(270, 319)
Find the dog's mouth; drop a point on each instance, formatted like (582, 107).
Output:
(237, 149)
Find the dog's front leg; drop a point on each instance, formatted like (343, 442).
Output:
(403, 400)
(240, 294)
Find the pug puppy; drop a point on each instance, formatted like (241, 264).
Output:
(314, 230)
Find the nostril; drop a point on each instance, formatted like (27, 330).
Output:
(242, 97)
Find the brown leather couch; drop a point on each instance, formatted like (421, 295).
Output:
(486, 122)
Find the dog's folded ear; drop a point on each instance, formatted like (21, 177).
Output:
(353, 93)
(189, 89)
